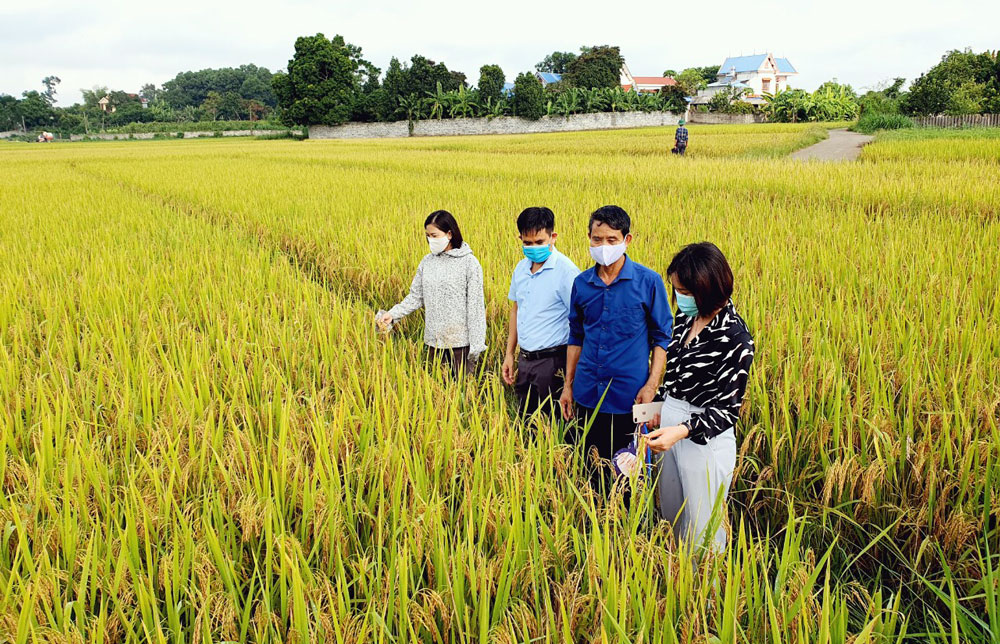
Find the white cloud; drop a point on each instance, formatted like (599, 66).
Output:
(115, 44)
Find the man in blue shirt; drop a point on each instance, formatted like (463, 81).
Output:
(618, 315)
(539, 316)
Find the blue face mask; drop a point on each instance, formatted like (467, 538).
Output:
(687, 305)
(537, 254)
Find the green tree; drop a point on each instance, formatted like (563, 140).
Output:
(836, 87)
(10, 113)
(491, 80)
(556, 63)
(320, 87)
(598, 66)
(691, 81)
(150, 92)
(35, 110)
(130, 112)
(367, 74)
(50, 83)
(528, 98)
(672, 99)
(93, 95)
(211, 105)
(415, 81)
(723, 100)
(233, 107)
(709, 73)
(191, 88)
(962, 82)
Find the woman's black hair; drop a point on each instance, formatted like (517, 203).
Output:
(445, 222)
(703, 270)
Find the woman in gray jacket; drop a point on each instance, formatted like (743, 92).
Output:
(449, 286)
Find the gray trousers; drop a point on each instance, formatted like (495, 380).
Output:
(539, 383)
(693, 480)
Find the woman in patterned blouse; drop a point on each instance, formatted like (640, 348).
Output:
(708, 361)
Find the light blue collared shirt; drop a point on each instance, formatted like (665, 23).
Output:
(543, 301)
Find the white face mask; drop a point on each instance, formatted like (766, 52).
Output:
(607, 255)
(438, 244)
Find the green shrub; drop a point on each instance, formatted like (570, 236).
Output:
(529, 99)
(873, 121)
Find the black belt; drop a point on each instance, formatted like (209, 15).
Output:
(544, 353)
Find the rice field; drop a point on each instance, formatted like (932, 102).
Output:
(204, 441)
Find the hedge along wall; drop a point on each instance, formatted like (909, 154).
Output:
(498, 125)
(123, 136)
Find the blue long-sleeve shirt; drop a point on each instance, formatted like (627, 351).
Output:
(617, 327)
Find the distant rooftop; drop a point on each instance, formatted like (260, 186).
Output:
(753, 63)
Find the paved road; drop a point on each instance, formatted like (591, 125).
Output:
(841, 146)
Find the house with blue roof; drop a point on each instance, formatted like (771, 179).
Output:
(548, 78)
(757, 75)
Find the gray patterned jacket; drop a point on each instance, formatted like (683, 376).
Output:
(449, 287)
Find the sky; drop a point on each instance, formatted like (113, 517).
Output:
(124, 45)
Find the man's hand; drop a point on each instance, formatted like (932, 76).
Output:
(566, 402)
(508, 369)
(662, 439)
(385, 321)
(646, 395)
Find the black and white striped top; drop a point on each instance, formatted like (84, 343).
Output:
(711, 372)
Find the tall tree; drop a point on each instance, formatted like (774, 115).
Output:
(149, 92)
(93, 95)
(598, 66)
(528, 97)
(191, 88)
(557, 62)
(50, 83)
(416, 81)
(320, 87)
(35, 110)
(691, 81)
(10, 114)
(491, 80)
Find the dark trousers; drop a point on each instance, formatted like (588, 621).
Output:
(679, 149)
(608, 433)
(457, 358)
(540, 382)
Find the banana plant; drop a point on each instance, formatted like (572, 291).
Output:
(463, 103)
(439, 102)
(568, 102)
(593, 100)
(616, 99)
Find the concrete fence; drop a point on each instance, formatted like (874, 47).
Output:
(967, 120)
(10, 133)
(714, 118)
(119, 136)
(498, 125)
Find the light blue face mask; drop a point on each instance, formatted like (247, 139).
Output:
(687, 305)
(537, 254)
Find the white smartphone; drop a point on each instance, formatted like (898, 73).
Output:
(644, 413)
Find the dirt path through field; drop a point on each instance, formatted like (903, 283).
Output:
(841, 146)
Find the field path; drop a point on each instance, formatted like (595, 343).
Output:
(841, 146)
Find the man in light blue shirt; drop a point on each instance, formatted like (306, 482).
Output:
(540, 291)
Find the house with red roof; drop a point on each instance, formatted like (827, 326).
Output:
(643, 84)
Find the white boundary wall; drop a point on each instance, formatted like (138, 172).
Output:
(498, 125)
